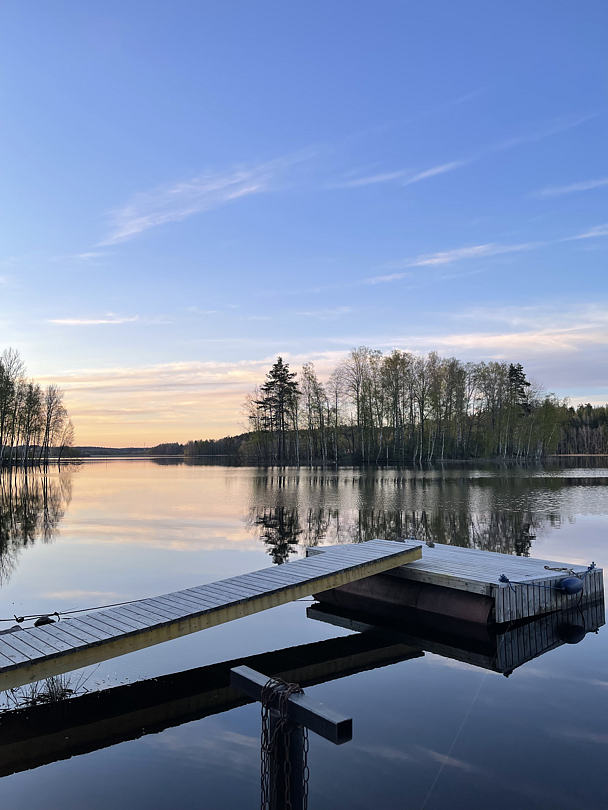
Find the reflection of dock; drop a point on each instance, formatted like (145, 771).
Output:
(466, 583)
(43, 734)
(501, 649)
(40, 652)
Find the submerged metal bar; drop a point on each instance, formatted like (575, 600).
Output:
(300, 709)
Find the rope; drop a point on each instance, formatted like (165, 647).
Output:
(511, 582)
(464, 720)
(60, 613)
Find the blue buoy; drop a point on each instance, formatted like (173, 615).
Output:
(571, 633)
(571, 585)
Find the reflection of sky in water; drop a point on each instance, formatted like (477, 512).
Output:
(133, 529)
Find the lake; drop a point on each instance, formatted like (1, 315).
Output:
(430, 732)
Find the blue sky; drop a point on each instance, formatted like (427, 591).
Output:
(191, 188)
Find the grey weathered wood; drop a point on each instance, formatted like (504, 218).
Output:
(55, 641)
(134, 620)
(12, 653)
(103, 632)
(300, 708)
(479, 572)
(79, 634)
(112, 631)
(81, 623)
(29, 646)
(59, 635)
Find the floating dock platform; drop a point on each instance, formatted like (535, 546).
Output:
(466, 583)
(41, 652)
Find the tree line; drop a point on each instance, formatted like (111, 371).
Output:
(586, 431)
(34, 422)
(399, 407)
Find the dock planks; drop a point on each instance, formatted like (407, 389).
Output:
(33, 654)
(477, 571)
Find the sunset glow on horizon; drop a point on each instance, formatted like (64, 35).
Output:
(194, 189)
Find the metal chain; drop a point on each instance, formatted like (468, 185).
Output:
(273, 687)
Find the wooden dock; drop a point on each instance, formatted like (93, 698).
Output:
(532, 589)
(36, 653)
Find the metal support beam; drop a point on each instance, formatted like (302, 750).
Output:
(301, 709)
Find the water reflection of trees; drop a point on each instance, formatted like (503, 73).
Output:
(31, 508)
(282, 528)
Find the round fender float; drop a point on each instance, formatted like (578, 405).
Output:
(571, 585)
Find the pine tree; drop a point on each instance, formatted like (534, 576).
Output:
(279, 397)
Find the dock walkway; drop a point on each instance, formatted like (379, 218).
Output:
(40, 652)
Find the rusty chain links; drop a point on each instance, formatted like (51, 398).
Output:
(273, 687)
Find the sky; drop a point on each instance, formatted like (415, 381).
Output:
(192, 188)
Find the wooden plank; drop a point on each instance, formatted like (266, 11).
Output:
(180, 606)
(165, 622)
(97, 626)
(81, 622)
(13, 654)
(134, 620)
(152, 615)
(30, 647)
(156, 613)
(6, 663)
(146, 614)
(212, 600)
(80, 635)
(55, 641)
(115, 622)
(231, 594)
(59, 635)
(165, 610)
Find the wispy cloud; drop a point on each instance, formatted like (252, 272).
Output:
(586, 185)
(532, 331)
(407, 177)
(372, 179)
(108, 319)
(435, 170)
(450, 256)
(389, 277)
(327, 314)
(476, 252)
(178, 201)
(85, 257)
(562, 124)
(592, 233)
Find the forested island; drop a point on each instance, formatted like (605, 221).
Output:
(400, 407)
(375, 408)
(34, 422)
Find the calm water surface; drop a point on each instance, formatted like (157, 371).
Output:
(429, 732)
